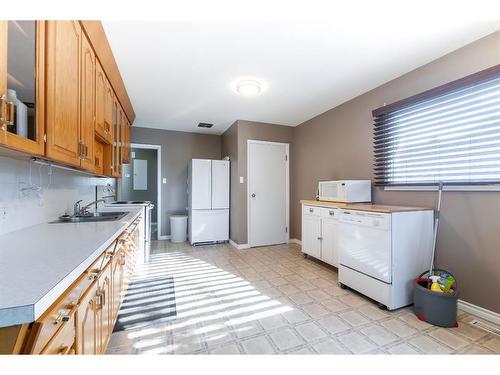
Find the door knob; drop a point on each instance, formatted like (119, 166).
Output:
(253, 195)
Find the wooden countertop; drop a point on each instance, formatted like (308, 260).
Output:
(364, 206)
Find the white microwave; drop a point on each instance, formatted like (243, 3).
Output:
(346, 191)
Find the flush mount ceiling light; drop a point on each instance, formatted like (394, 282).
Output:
(249, 87)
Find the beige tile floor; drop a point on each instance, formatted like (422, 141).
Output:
(271, 300)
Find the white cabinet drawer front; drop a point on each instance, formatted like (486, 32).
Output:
(332, 213)
(311, 210)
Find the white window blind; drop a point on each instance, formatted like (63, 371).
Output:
(449, 134)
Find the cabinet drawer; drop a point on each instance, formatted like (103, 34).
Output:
(102, 261)
(311, 210)
(329, 212)
(48, 325)
(63, 342)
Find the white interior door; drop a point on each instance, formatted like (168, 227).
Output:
(220, 184)
(267, 193)
(201, 184)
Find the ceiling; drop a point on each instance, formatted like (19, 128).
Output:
(179, 73)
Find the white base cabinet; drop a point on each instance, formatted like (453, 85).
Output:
(320, 233)
(377, 253)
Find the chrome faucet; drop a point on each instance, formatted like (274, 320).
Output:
(83, 210)
(76, 208)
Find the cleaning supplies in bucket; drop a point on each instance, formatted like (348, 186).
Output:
(435, 287)
(442, 283)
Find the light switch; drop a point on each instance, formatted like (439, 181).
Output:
(164, 180)
(133, 154)
(242, 180)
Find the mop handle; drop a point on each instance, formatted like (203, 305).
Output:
(436, 224)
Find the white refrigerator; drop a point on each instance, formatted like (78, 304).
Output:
(208, 189)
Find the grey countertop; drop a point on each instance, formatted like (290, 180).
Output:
(38, 263)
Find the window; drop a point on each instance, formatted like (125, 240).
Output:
(449, 134)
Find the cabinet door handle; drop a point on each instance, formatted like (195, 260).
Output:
(10, 113)
(3, 121)
(332, 213)
(64, 350)
(320, 238)
(99, 299)
(61, 318)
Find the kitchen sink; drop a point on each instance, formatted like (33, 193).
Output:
(90, 217)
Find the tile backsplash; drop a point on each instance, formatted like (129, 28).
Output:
(49, 193)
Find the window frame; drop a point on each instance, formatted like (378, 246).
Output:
(459, 84)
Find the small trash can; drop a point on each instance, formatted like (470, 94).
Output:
(178, 228)
(439, 309)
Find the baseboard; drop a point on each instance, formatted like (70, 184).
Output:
(239, 246)
(295, 241)
(162, 238)
(481, 312)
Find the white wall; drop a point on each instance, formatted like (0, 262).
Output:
(18, 210)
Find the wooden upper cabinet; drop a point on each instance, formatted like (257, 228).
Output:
(126, 141)
(3, 81)
(99, 158)
(102, 130)
(22, 74)
(87, 106)
(63, 91)
(119, 140)
(109, 102)
(57, 101)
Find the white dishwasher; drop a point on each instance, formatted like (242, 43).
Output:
(381, 253)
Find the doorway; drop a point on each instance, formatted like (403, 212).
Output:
(141, 181)
(268, 189)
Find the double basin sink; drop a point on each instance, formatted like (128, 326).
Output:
(90, 217)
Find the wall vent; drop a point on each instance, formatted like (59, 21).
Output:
(485, 327)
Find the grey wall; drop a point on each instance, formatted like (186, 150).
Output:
(230, 148)
(338, 145)
(234, 145)
(177, 148)
(127, 183)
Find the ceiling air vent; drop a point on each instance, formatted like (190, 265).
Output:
(205, 125)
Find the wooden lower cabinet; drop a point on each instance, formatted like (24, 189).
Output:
(63, 342)
(81, 321)
(105, 294)
(118, 282)
(87, 322)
